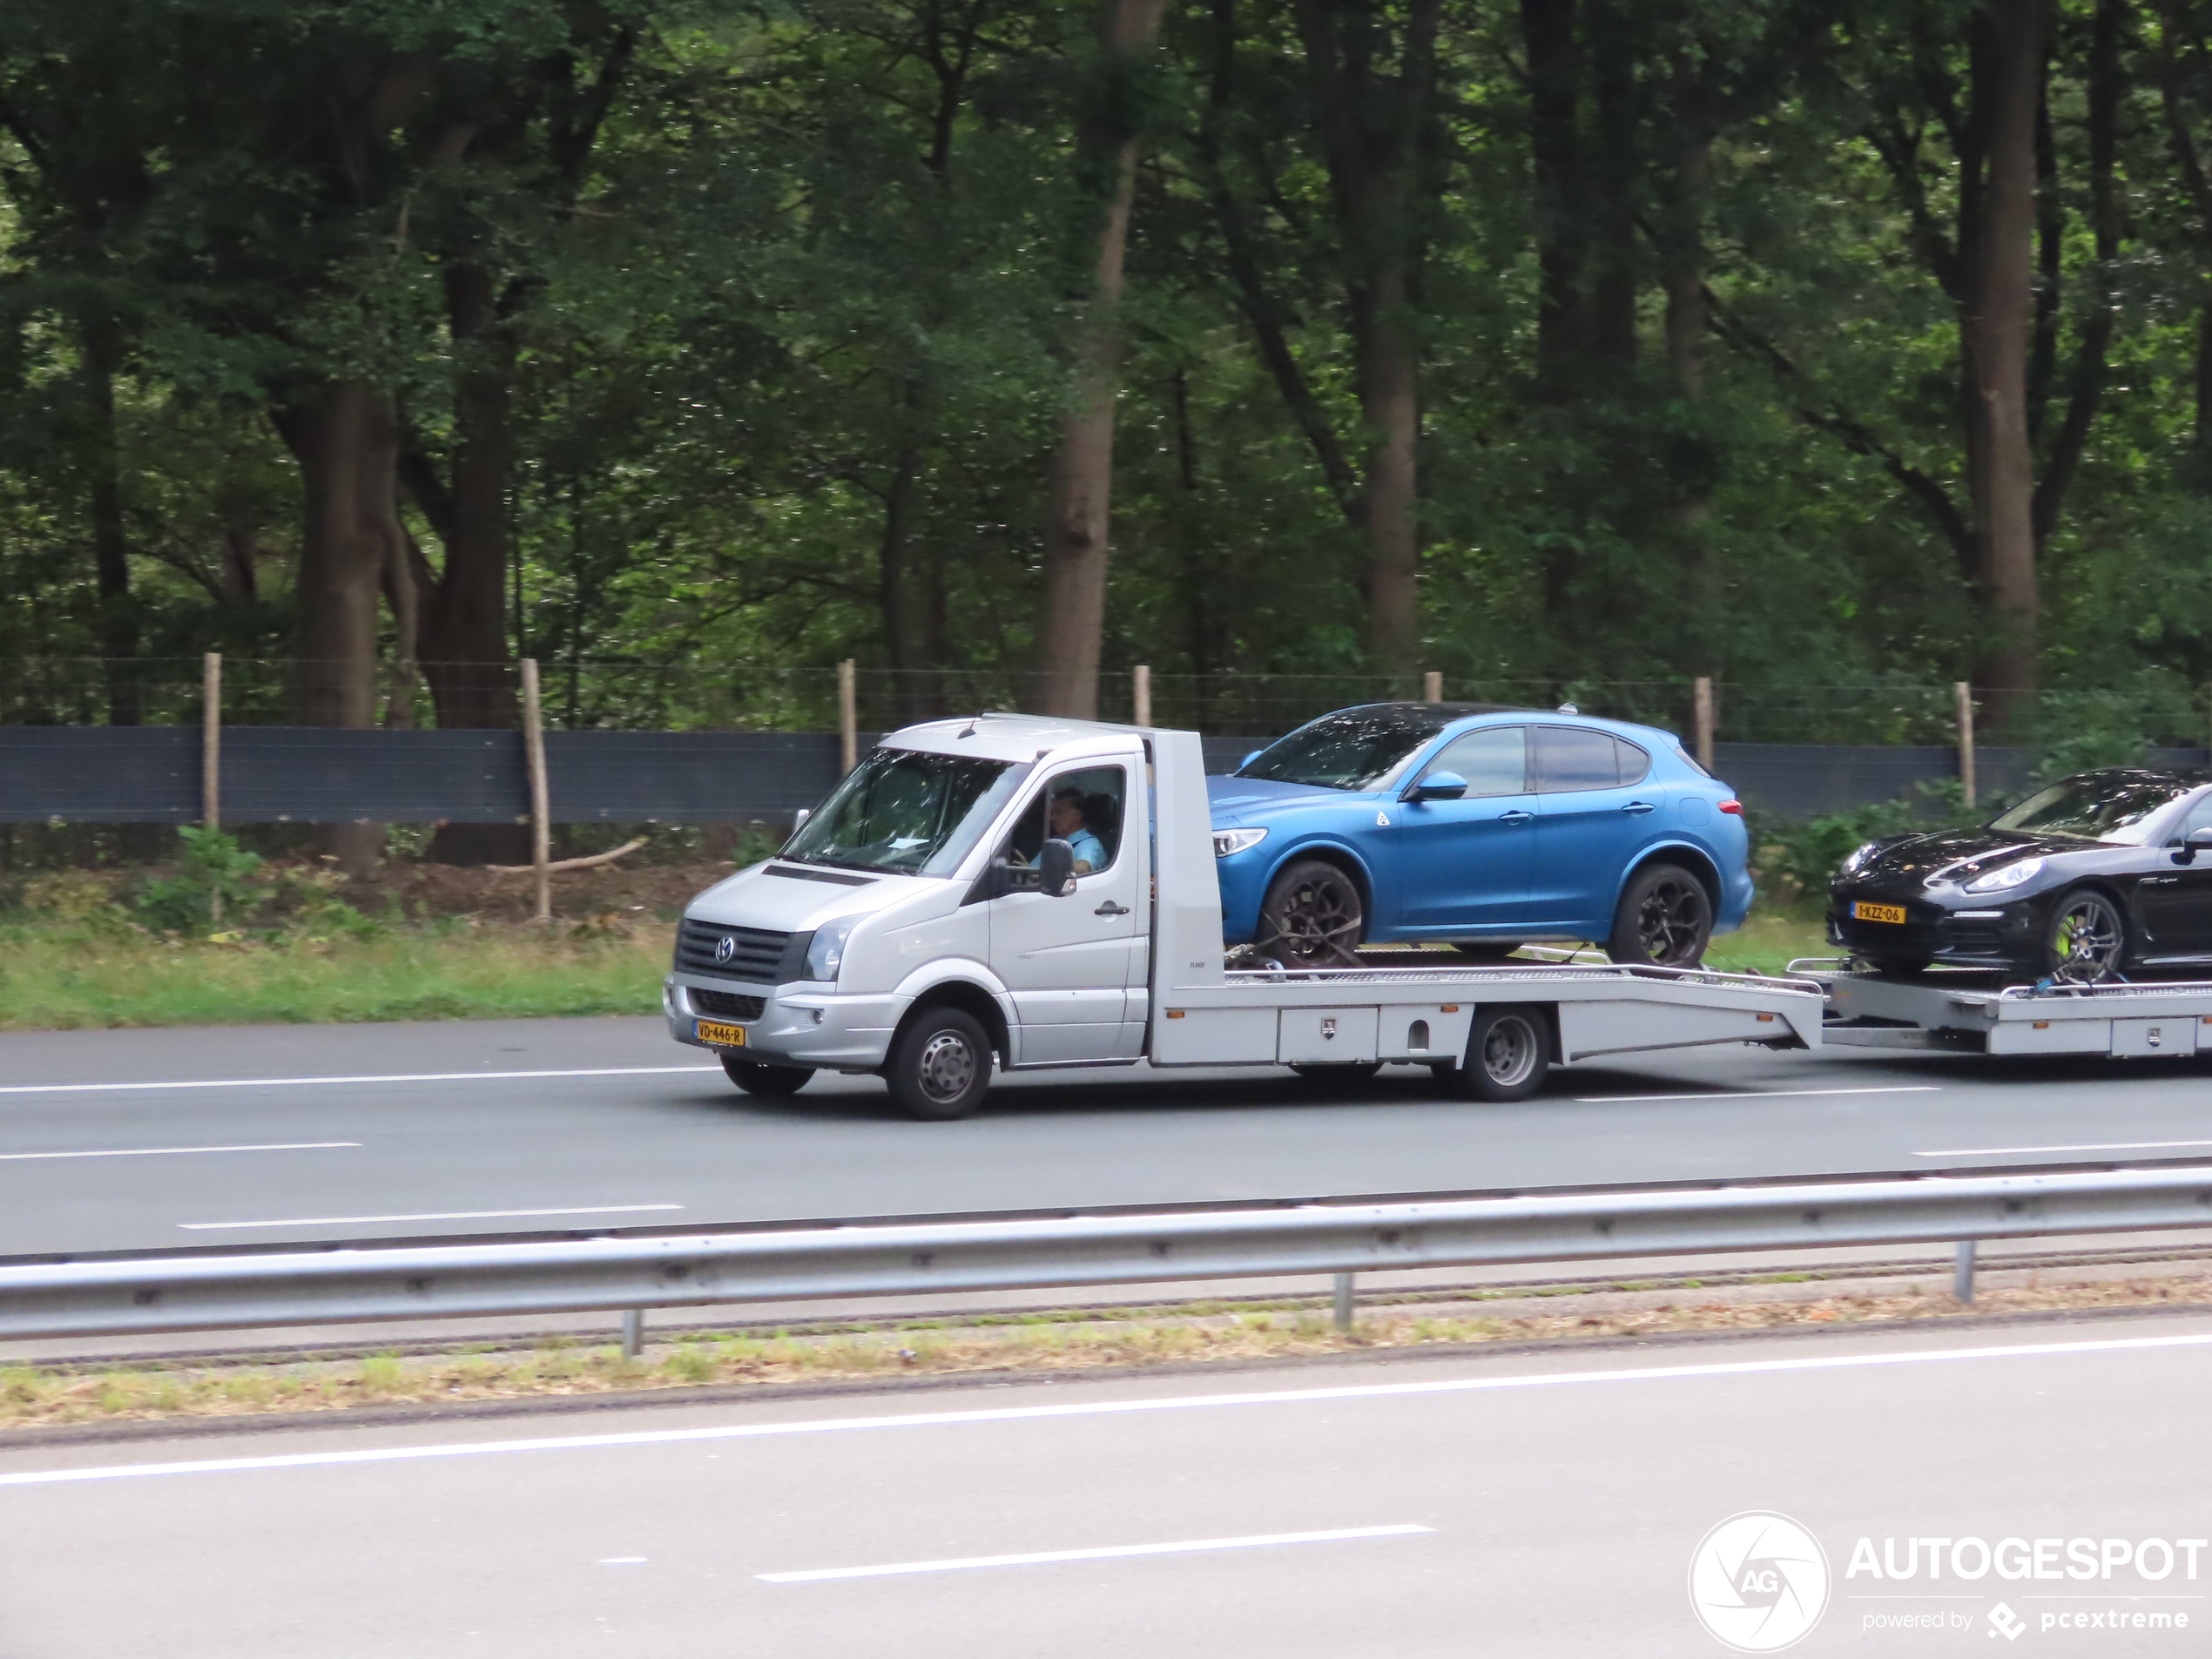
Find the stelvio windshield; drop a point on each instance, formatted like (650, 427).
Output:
(906, 813)
(1359, 749)
(2113, 807)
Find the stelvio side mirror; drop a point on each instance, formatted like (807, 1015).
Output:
(2196, 841)
(1056, 869)
(1441, 786)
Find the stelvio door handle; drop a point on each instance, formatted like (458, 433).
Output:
(1637, 806)
(1110, 908)
(1516, 816)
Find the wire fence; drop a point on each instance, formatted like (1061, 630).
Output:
(613, 694)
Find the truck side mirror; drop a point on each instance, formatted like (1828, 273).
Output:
(1441, 786)
(1056, 869)
(799, 819)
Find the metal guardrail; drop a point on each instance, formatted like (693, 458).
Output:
(280, 1287)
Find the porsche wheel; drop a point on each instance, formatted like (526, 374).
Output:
(2085, 940)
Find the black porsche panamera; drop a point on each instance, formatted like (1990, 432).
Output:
(2104, 874)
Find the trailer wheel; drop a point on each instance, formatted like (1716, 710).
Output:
(770, 1082)
(1357, 1071)
(940, 1065)
(1509, 1049)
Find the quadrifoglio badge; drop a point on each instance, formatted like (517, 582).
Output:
(1760, 1582)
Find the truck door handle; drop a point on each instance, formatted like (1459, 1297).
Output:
(1637, 806)
(1110, 908)
(1516, 816)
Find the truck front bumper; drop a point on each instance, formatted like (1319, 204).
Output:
(799, 1024)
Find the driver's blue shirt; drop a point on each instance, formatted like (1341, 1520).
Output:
(1087, 848)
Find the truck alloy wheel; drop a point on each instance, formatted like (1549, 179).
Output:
(940, 1065)
(1509, 1049)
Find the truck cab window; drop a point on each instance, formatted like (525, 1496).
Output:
(1082, 808)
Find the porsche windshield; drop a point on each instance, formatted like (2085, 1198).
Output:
(906, 813)
(1359, 749)
(2099, 806)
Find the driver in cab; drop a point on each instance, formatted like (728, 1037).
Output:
(1068, 825)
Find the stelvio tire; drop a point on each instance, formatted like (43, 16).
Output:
(1665, 918)
(770, 1082)
(940, 1065)
(1509, 1051)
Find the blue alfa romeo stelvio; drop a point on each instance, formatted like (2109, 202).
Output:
(1481, 827)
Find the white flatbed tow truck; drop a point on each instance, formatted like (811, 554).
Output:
(1036, 893)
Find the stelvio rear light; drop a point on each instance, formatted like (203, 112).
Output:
(1735, 806)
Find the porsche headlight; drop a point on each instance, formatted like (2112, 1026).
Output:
(1858, 860)
(1226, 842)
(826, 950)
(2003, 881)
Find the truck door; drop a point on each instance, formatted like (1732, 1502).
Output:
(1465, 863)
(1067, 962)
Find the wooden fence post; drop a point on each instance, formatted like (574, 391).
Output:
(1964, 693)
(540, 797)
(848, 716)
(1141, 693)
(1432, 686)
(1701, 691)
(210, 741)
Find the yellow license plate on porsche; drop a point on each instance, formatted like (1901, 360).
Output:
(1861, 911)
(717, 1035)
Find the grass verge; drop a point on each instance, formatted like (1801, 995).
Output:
(33, 1398)
(65, 977)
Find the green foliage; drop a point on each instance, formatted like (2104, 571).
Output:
(1804, 857)
(213, 880)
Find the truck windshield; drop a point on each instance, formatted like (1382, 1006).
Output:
(906, 813)
(1359, 749)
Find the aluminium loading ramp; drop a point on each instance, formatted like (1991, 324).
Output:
(1966, 1011)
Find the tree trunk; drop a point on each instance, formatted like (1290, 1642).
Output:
(1072, 619)
(1548, 35)
(118, 623)
(907, 691)
(1389, 374)
(347, 439)
(1613, 289)
(1997, 328)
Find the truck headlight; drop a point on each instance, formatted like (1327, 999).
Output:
(1228, 842)
(2011, 876)
(826, 950)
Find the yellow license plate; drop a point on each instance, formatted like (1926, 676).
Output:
(1864, 912)
(720, 1035)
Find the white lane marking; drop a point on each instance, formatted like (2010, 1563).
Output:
(176, 1151)
(639, 1561)
(1766, 1093)
(1092, 1408)
(2101, 1146)
(1114, 1552)
(381, 1077)
(445, 1214)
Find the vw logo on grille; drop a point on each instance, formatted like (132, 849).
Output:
(724, 949)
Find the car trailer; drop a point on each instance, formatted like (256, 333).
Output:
(1972, 1011)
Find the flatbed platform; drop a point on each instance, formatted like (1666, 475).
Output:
(1970, 1011)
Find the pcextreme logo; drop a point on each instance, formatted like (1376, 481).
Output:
(1758, 1582)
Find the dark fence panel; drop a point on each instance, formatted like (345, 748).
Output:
(311, 775)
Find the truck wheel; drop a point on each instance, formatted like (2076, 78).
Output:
(1357, 1071)
(1311, 917)
(769, 1082)
(940, 1065)
(1509, 1049)
(1665, 918)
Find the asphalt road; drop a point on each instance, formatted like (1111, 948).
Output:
(127, 1140)
(1505, 1505)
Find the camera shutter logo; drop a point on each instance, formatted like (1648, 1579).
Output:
(725, 947)
(1758, 1582)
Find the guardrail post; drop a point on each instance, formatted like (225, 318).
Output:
(1140, 692)
(1343, 1309)
(633, 1332)
(1962, 1275)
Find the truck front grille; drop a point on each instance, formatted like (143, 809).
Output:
(728, 1005)
(752, 954)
